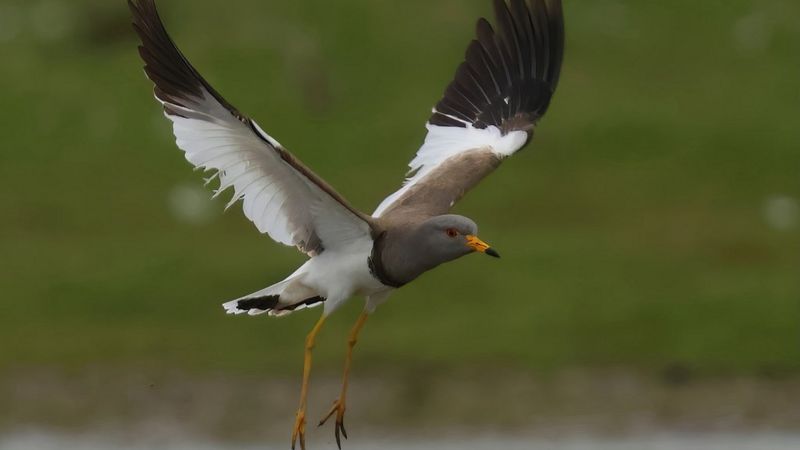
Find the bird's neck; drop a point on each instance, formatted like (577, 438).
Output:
(402, 257)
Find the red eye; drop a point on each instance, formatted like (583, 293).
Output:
(452, 232)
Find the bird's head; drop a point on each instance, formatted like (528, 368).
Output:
(435, 241)
(451, 236)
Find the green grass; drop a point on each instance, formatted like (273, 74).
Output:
(632, 230)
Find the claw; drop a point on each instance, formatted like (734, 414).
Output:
(338, 431)
(338, 439)
(299, 430)
(340, 427)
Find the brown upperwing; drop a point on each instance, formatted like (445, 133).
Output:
(437, 192)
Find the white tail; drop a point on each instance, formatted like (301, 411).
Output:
(277, 300)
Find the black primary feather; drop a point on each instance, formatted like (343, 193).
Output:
(509, 74)
(177, 82)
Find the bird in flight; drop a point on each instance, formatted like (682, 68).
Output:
(488, 112)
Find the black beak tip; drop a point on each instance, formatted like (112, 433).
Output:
(492, 252)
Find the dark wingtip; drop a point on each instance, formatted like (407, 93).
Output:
(175, 78)
(510, 72)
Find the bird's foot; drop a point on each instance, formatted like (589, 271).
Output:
(338, 408)
(299, 429)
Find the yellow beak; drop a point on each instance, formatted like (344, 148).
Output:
(479, 246)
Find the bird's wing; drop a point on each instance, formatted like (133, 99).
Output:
(489, 110)
(282, 197)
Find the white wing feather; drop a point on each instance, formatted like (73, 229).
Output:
(443, 142)
(279, 200)
(280, 196)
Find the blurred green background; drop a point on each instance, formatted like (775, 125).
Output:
(653, 223)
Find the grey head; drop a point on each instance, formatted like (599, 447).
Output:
(407, 251)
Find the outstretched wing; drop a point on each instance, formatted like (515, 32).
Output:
(282, 197)
(489, 110)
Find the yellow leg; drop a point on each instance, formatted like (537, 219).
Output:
(300, 418)
(339, 404)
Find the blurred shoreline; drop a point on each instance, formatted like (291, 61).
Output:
(245, 408)
(43, 440)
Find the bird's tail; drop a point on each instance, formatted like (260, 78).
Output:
(279, 299)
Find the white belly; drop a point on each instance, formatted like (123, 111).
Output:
(343, 273)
